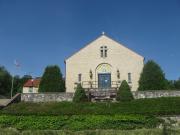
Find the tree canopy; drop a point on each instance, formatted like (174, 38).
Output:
(19, 83)
(5, 82)
(152, 77)
(174, 84)
(52, 80)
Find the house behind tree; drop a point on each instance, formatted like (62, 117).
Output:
(31, 86)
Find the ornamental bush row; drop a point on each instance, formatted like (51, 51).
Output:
(79, 122)
(158, 106)
(124, 93)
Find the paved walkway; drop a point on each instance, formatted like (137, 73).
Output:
(6, 102)
(3, 102)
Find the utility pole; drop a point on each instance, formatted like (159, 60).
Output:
(17, 65)
(12, 86)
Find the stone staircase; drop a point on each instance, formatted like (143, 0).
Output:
(102, 95)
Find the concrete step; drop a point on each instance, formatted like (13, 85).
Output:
(102, 95)
(104, 99)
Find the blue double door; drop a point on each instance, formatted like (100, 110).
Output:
(104, 81)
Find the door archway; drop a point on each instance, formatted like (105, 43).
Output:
(103, 75)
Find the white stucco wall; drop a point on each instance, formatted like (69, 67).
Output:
(26, 90)
(88, 58)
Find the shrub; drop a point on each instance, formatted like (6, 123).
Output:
(152, 77)
(79, 95)
(52, 80)
(124, 92)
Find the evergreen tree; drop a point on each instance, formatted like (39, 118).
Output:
(124, 92)
(5, 82)
(171, 84)
(52, 80)
(80, 95)
(152, 77)
(177, 84)
(19, 83)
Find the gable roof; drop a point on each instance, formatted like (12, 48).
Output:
(97, 39)
(32, 83)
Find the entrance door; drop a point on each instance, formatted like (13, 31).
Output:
(104, 81)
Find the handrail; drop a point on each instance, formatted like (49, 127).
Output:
(94, 84)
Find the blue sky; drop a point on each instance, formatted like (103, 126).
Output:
(42, 32)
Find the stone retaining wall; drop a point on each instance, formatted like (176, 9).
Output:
(156, 94)
(58, 97)
(46, 97)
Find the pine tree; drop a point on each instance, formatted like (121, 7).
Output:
(152, 77)
(124, 92)
(52, 80)
(177, 84)
(5, 82)
(80, 95)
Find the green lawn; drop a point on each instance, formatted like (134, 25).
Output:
(159, 106)
(69, 117)
(89, 132)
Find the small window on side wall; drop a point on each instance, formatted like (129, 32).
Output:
(79, 77)
(129, 78)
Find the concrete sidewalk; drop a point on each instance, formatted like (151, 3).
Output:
(3, 102)
(6, 102)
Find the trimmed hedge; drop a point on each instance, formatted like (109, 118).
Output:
(159, 106)
(79, 122)
(124, 92)
(80, 94)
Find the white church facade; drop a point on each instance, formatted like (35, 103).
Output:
(102, 65)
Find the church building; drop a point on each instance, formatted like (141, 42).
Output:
(102, 65)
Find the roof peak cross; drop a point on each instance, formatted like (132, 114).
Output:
(103, 33)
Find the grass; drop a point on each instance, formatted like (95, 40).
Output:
(88, 118)
(158, 107)
(79, 122)
(88, 132)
